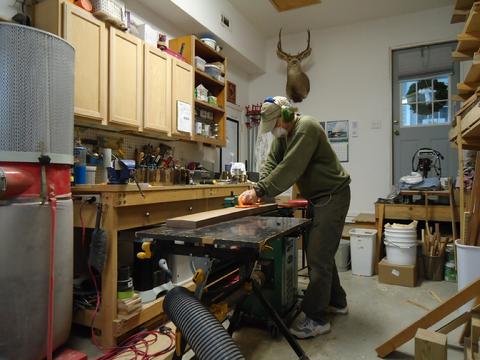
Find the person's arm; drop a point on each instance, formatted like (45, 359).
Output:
(292, 166)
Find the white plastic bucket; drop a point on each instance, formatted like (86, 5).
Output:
(362, 248)
(342, 256)
(401, 245)
(401, 254)
(468, 258)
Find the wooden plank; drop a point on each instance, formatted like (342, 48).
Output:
(455, 323)
(431, 318)
(365, 218)
(215, 216)
(285, 5)
(475, 206)
(430, 345)
(475, 331)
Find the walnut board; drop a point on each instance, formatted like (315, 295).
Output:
(215, 216)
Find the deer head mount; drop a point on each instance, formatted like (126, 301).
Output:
(298, 85)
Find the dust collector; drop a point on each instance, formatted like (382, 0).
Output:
(36, 210)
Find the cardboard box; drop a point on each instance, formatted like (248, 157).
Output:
(404, 275)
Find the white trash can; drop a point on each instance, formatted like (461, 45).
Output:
(468, 270)
(362, 249)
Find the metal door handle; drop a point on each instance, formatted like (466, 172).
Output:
(396, 132)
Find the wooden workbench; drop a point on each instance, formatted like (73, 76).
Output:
(438, 213)
(125, 208)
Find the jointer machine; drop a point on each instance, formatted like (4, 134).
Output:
(243, 268)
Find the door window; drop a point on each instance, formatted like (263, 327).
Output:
(425, 101)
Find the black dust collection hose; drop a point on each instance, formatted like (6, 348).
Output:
(203, 332)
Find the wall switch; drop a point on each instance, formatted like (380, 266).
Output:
(354, 129)
(376, 124)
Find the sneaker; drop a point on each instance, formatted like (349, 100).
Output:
(305, 328)
(338, 311)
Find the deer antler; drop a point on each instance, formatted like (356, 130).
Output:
(280, 53)
(305, 53)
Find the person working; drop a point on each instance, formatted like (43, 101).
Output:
(300, 153)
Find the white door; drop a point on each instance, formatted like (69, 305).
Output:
(424, 79)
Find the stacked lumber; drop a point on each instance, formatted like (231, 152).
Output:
(433, 243)
(472, 337)
(130, 305)
(471, 234)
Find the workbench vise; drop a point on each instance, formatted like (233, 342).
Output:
(121, 171)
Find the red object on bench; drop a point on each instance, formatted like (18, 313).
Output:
(292, 204)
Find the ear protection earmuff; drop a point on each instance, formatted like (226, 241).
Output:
(288, 113)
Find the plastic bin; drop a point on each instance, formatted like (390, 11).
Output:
(213, 70)
(200, 63)
(362, 249)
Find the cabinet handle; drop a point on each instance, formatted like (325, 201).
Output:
(147, 214)
(190, 208)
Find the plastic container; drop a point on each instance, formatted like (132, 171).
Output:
(200, 63)
(401, 245)
(450, 271)
(209, 42)
(362, 248)
(450, 253)
(342, 256)
(213, 70)
(90, 174)
(468, 258)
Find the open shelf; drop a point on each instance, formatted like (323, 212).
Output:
(472, 80)
(461, 10)
(125, 323)
(468, 124)
(208, 140)
(206, 52)
(207, 80)
(469, 39)
(208, 106)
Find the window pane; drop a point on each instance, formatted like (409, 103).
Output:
(440, 87)
(408, 116)
(408, 92)
(425, 91)
(441, 112)
(424, 114)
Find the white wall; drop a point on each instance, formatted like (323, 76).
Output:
(8, 9)
(350, 78)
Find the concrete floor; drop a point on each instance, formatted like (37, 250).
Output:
(377, 311)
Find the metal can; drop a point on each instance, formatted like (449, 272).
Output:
(450, 271)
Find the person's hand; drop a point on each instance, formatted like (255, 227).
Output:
(248, 197)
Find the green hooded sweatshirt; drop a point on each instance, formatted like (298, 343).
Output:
(304, 157)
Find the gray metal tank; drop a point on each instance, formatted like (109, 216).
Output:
(36, 119)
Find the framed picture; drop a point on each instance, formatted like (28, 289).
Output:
(231, 92)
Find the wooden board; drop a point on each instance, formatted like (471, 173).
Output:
(284, 5)
(215, 216)
(430, 345)
(431, 318)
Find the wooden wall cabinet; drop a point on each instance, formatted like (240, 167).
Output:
(182, 90)
(119, 80)
(157, 109)
(89, 38)
(125, 79)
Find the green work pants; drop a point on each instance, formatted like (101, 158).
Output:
(324, 288)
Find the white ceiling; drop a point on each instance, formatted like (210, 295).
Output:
(327, 14)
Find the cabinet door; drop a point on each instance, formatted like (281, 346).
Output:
(126, 79)
(182, 90)
(157, 94)
(89, 38)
